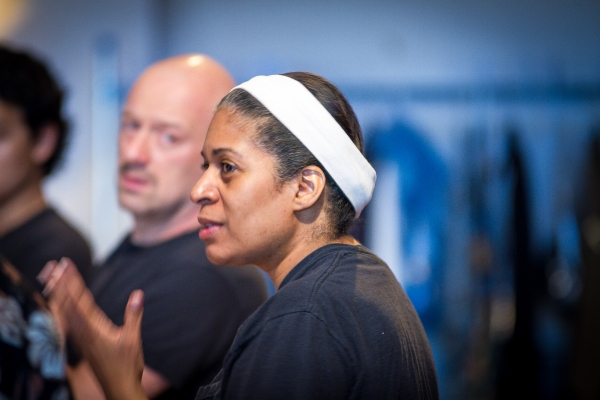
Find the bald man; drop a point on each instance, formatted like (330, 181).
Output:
(192, 308)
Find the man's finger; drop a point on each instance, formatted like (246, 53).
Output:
(45, 273)
(54, 277)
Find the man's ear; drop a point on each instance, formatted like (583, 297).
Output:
(45, 144)
(311, 183)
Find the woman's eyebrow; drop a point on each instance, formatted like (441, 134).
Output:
(220, 150)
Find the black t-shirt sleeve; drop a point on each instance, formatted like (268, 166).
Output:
(303, 362)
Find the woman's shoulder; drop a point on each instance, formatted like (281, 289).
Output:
(326, 280)
(335, 269)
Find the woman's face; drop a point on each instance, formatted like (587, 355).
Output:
(245, 216)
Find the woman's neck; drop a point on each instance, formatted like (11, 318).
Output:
(298, 253)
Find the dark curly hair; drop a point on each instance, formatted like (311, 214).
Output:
(26, 83)
(290, 154)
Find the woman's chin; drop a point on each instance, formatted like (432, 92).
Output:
(216, 260)
(219, 258)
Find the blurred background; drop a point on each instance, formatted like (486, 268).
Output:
(480, 117)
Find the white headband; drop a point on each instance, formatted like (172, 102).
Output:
(299, 111)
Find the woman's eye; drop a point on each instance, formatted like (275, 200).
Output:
(227, 167)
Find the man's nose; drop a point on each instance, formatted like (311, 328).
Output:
(135, 147)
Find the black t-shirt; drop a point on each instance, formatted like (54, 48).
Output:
(339, 327)
(192, 309)
(31, 356)
(46, 236)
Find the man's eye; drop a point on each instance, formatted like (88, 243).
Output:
(168, 138)
(129, 125)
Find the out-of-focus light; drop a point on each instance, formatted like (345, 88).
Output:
(12, 12)
(502, 317)
(194, 61)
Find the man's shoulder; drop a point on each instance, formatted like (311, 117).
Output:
(179, 262)
(186, 248)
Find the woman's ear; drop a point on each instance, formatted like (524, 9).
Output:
(311, 183)
(45, 144)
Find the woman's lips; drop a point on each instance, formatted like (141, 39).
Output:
(208, 229)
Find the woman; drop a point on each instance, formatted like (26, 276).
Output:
(284, 179)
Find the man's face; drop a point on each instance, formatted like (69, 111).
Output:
(161, 136)
(17, 168)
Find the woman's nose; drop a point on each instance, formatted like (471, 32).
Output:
(204, 191)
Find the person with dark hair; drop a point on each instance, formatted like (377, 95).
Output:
(284, 177)
(33, 136)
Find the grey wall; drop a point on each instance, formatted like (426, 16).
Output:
(386, 41)
(359, 43)
(356, 44)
